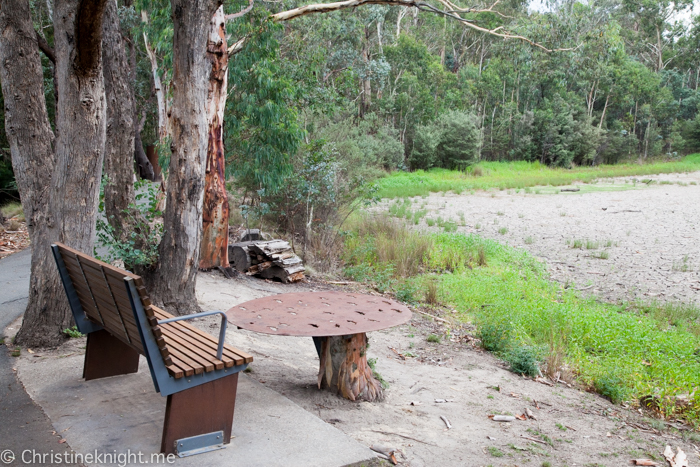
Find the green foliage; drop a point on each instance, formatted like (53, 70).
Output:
(138, 247)
(406, 292)
(622, 352)
(433, 339)
(495, 452)
(73, 332)
(262, 129)
(450, 142)
(612, 387)
(524, 360)
(372, 362)
(496, 336)
(366, 147)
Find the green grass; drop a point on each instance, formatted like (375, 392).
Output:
(505, 175)
(624, 352)
(13, 209)
(495, 452)
(432, 338)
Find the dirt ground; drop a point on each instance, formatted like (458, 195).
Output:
(648, 230)
(457, 380)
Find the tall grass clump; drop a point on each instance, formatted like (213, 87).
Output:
(388, 243)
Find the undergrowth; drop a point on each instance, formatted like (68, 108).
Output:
(518, 175)
(624, 352)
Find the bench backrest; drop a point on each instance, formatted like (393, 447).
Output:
(102, 294)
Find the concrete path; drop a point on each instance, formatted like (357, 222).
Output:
(124, 415)
(24, 424)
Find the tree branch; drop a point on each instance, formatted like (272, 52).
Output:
(242, 12)
(451, 11)
(46, 48)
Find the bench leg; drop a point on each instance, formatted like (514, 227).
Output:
(199, 410)
(105, 355)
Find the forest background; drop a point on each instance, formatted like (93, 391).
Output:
(352, 94)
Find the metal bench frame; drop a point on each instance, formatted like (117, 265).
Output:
(194, 402)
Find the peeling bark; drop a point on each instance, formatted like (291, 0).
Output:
(214, 245)
(182, 221)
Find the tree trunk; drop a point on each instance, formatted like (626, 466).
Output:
(365, 84)
(31, 146)
(214, 246)
(59, 189)
(182, 222)
(344, 368)
(119, 150)
(164, 124)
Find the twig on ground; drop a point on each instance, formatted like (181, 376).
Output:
(404, 436)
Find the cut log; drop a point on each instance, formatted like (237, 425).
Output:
(239, 256)
(344, 368)
(271, 260)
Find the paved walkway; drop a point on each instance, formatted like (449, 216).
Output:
(24, 424)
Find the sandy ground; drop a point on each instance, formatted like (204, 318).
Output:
(649, 232)
(457, 380)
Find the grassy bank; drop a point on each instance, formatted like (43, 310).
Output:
(506, 175)
(626, 353)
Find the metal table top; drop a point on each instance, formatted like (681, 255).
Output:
(318, 314)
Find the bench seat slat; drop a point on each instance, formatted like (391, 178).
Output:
(197, 337)
(203, 355)
(176, 345)
(228, 357)
(237, 355)
(183, 368)
(179, 356)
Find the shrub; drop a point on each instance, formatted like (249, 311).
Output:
(424, 152)
(406, 292)
(524, 360)
(451, 142)
(611, 387)
(433, 339)
(495, 336)
(459, 139)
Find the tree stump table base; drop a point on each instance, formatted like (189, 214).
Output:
(338, 323)
(344, 368)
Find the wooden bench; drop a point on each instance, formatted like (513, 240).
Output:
(198, 373)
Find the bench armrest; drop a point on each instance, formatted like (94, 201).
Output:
(222, 331)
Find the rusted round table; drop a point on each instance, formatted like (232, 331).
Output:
(338, 323)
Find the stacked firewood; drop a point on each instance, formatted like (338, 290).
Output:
(267, 259)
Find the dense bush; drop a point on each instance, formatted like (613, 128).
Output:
(364, 148)
(451, 142)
